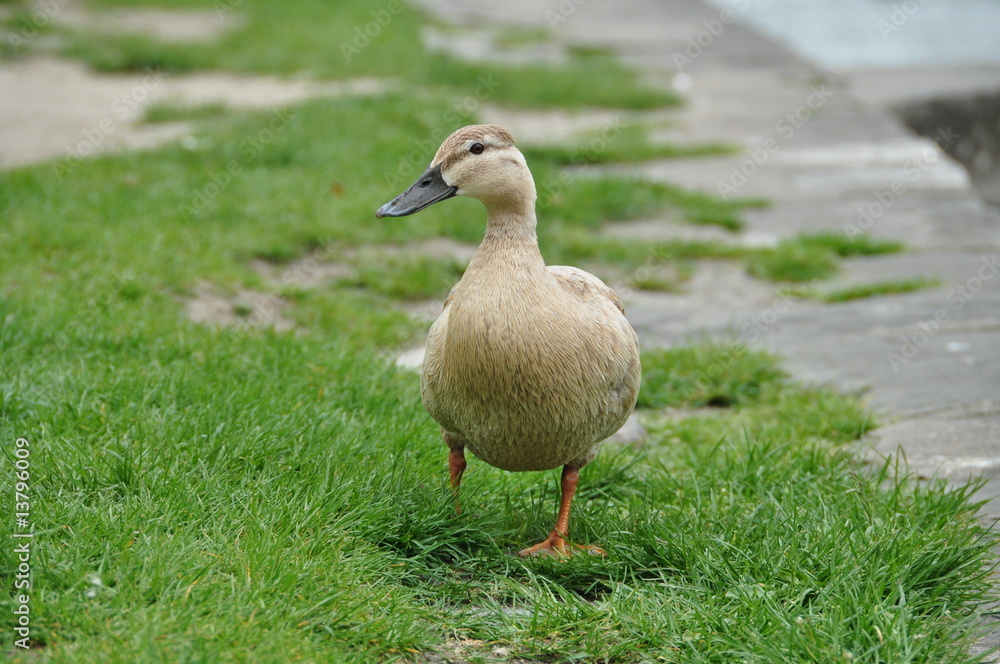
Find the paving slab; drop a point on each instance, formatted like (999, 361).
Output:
(914, 218)
(53, 108)
(888, 87)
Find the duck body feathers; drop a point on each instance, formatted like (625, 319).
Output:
(529, 366)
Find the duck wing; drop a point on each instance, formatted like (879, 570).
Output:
(584, 285)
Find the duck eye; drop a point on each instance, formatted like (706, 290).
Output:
(477, 148)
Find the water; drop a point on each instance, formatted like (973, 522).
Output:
(843, 35)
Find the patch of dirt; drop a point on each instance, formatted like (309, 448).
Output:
(459, 649)
(246, 309)
(306, 272)
(332, 263)
(315, 270)
(175, 25)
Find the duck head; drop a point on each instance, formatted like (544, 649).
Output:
(478, 161)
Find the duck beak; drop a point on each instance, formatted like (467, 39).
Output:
(427, 190)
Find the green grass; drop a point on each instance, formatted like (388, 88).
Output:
(707, 374)
(283, 495)
(437, 91)
(843, 244)
(807, 257)
(620, 198)
(562, 245)
(793, 261)
(405, 277)
(127, 52)
(598, 80)
(519, 36)
(701, 208)
(657, 281)
(21, 25)
(872, 289)
(206, 494)
(619, 143)
(168, 112)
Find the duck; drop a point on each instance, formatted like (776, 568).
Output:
(529, 367)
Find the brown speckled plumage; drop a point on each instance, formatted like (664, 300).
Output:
(530, 367)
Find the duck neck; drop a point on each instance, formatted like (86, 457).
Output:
(510, 243)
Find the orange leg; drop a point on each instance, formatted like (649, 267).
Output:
(555, 544)
(456, 466)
